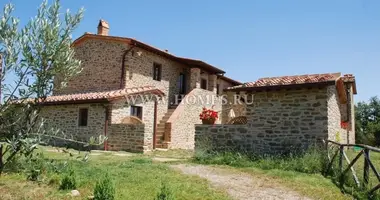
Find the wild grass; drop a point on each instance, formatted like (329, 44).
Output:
(134, 177)
(346, 181)
(311, 161)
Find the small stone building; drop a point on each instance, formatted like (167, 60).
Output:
(286, 113)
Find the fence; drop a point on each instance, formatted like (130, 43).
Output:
(339, 152)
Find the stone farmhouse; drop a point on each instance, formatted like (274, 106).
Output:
(117, 70)
(280, 114)
(143, 98)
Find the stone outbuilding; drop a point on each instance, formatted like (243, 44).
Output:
(285, 113)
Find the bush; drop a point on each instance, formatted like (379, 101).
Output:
(104, 189)
(165, 193)
(35, 167)
(68, 182)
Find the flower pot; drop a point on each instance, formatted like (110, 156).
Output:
(208, 121)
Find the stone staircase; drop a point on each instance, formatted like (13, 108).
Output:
(160, 131)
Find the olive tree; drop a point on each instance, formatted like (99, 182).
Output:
(32, 56)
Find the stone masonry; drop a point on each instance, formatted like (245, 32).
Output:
(128, 137)
(187, 114)
(65, 119)
(336, 113)
(278, 122)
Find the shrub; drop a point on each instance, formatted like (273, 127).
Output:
(104, 189)
(35, 167)
(68, 182)
(165, 193)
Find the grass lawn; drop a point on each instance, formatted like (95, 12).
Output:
(138, 176)
(135, 177)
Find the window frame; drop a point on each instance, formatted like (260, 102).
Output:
(136, 113)
(83, 120)
(157, 74)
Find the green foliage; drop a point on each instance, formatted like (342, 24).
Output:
(311, 161)
(367, 125)
(104, 189)
(34, 58)
(35, 167)
(142, 160)
(54, 179)
(68, 181)
(165, 193)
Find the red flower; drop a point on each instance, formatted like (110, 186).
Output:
(344, 125)
(208, 114)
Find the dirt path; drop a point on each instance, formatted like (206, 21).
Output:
(240, 185)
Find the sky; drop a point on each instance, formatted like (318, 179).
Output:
(248, 39)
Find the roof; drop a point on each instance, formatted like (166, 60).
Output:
(230, 80)
(188, 61)
(292, 81)
(104, 96)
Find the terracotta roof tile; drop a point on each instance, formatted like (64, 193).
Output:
(290, 80)
(194, 62)
(103, 96)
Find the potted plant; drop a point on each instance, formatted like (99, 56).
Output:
(208, 116)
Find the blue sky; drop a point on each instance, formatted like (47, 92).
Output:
(248, 38)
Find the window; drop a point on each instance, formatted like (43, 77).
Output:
(136, 111)
(204, 84)
(83, 116)
(182, 83)
(157, 69)
(217, 89)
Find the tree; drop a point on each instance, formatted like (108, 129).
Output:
(32, 56)
(368, 122)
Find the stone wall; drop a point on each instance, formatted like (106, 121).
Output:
(223, 84)
(122, 109)
(121, 136)
(128, 137)
(139, 72)
(336, 113)
(187, 114)
(278, 122)
(235, 103)
(101, 67)
(65, 118)
(226, 138)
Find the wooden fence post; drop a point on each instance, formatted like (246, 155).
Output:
(341, 149)
(366, 167)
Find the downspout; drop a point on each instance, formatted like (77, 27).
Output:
(348, 112)
(155, 124)
(106, 115)
(123, 65)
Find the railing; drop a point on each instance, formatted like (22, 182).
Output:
(341, 155)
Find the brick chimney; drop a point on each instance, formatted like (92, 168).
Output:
(103, 27)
